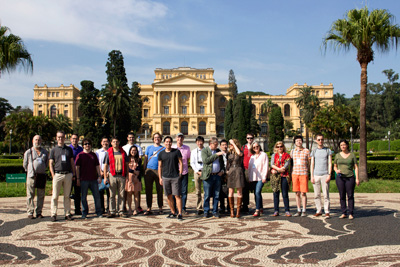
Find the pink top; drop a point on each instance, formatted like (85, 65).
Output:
(185, 151)
(258, 167)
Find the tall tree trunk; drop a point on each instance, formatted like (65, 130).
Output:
(115, 122)
(363, 174)
(307, 137)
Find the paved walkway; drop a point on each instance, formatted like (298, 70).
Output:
(371, 239)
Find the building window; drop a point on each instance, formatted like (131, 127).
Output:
(184, 98)
(40, 94)
(53, 111)
(184, 127)
(146, 99)
(222, 111)
(202, 97)
(66, 113)
(166, 128)
(264, 128)
(184, 110)
(202, 110)
(145, 113)
(166, 98)
(40, 112)
(53, 94)
(65, 106)
(40, 106)
(317, 93)
(220, 129)
(48, 94)
(57, 94)
(286, 110)
(326, 92)
(66, 93)
(202, 128)
(222, 99)
(166, 110)
(145, 127)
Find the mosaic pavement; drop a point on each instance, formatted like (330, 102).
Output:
(371, 239)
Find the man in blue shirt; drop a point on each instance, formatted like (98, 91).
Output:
(76, 149)
(151, 174)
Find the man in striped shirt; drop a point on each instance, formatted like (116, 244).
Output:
(300, 156)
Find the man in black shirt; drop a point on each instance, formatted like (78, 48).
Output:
(170, 168)
(63, 172)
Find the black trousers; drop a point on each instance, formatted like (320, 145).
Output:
(107, 191)
(346, 186)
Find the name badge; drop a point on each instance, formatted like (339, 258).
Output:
(63, 158)
(154, 152)
(298, 161)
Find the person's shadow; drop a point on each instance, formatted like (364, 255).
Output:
(371, 227)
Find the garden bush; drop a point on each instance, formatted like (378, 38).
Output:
(384, 169)
(10, 168)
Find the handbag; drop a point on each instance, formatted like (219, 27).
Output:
(39, 178)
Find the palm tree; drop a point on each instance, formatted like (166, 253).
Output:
(13, 52)
(115, 98)
(362, 30)
(308, 104)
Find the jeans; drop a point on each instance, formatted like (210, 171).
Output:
(285, 195)
(345, 186)
(94, 187)
(257, 187)
(212, 187)
(184, 188)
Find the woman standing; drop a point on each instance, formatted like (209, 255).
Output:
(280, 178)
(235, 175)
(133, 184)
(258, 170)
(345, 166)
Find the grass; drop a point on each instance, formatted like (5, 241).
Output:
(373, 186)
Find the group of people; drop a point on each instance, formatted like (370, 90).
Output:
(219, 169)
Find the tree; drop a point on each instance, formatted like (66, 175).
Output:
(364, 30)
(114, 100)
(5, 108)
(13, 52)
(228, 120)
(308, 105)
(339, 99)
(243, 126)
(275, 127)
(254, 127)
(136, 107)
(289, 128)
(62, 123)
(233, 89)
(91, 120)
(334, 123)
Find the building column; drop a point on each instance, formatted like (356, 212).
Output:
(154, 103)
(212, 102)
(209, 103)
(173, 102)
(194, 102)
(158, 102)
(177, 102)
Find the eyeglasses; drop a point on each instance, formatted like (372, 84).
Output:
(256, 146)
(87, 144)
(320, 139)
(279, 146)
(250, 138)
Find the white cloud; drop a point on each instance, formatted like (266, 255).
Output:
(98, 24)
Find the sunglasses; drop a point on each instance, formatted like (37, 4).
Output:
(256, 146)
(250, 138)
(87, 144)
(320, 139)
(279, 146)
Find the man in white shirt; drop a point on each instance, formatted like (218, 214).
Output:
(101, 153)
(197, 165)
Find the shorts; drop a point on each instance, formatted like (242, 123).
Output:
(300, 183)
(172, 186)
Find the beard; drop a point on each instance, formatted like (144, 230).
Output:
(36, 146)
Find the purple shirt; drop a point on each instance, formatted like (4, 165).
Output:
(76, 151)
(185, 151)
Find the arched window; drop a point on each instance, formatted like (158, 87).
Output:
(184, 127)
(286, 111)
(53, 111)
(166, 98)
(264, 128)
(184, 98)
(202, 97)
(220, 129)
(222, 99)
(145, 127)
(146, 99)
(166, 128)
(253, 109)
(202, 128)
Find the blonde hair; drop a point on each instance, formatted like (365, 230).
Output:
(279, 143)
(237, 143)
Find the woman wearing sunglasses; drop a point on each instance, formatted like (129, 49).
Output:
(280, 178)
(258, 170)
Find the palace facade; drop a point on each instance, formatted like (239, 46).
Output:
(183, 100)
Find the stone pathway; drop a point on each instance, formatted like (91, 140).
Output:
(371, 239)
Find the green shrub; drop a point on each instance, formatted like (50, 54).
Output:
(383, 157)
(15, 161)
(384, 169)
(12, 156)
(10, 168)
(356, 147)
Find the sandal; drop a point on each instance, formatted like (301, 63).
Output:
(148, 212)
(135, 213)
(256, 214)
(343, 216)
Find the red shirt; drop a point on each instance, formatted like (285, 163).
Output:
(87, 163)
(246, 156)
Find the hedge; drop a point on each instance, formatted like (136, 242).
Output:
(389, 170)
(14, 156)
(10, 168)
(8, 161)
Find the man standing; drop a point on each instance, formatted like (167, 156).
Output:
(88, 176)
(76, 149)
(213, 169)
(222, 195)
(62, 169)
(36, 160)
(131, 142)
(170, 173)
(116, 160)
(321, 166)
(151, 174)
(196, 162)
(185, 153)
(246, 159)
(300, 156)
(101, 154)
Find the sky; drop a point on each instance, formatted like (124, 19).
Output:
(270, 45)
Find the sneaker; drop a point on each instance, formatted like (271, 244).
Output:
(304, 214)
(78, 212)
(140, 210)
(100, 216)
(216, 215)
(39, 216)
(275, 214)
(171, 216)
(287, 214)
(297, 214)
(53, 218)
(69, 218)
(199, 212)
(84, 217)
(185, 212)
(327, 216)
(180, 217)
(317, 214)
(206, 215)
(112, 215)
(30, 216)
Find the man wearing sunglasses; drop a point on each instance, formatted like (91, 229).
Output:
(246, 159)
(321, 166)
(88, 175)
